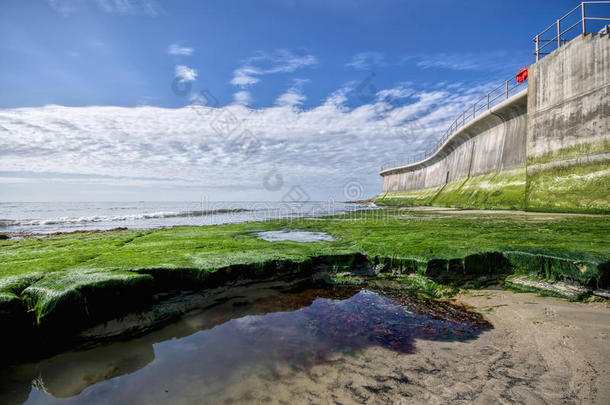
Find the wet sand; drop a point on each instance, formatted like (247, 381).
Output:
(542, 350)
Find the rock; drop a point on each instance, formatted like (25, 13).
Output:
(4, 236)
(602, 293)
(561, 288)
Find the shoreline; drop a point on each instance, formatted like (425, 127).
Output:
(57, 286)
(540, 350)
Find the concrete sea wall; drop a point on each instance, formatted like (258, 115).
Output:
(546, 148)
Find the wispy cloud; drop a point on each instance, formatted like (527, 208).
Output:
(125, 7)
(150, 7)
(326, 144)
(242, 97)
(395, 93)
(64, 7)
(177, 49)
(185, 73)
(487, 61)
(366, 60)
(246, 76)
(293, 97)
(280, 61)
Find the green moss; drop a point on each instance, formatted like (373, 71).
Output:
(83, 296)
(571, 152)
(570, 189)
(555, 268)
(408, 198)
(421, 284)
(498, 190)
(88, 277)
(347, 280)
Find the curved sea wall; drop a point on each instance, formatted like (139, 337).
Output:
(546, 148)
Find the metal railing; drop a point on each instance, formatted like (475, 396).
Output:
(511, 86)
(497, 95)
(562, 36)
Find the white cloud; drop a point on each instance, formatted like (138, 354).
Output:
(69, 7)
(185, 73)
(242, 97)
(366, 60)
(64, 7)
(394, 93)
(150, 7)
(488, 61)
(245, 76)
(293, 97)
(177, 49)
(280, 61)
(318, 149)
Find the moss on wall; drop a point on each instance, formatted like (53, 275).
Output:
(569, 152)
(570, 189)
(408, 198)
(498, 190)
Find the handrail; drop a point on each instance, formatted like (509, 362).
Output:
(485, 103)
(559, 33)
(490, 100)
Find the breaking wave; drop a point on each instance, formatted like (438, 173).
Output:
(112, 218)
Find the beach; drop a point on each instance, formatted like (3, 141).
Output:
(541, 350)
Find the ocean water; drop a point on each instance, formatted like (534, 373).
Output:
(50, 217)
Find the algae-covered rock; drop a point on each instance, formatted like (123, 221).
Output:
(74, 298)
(559, 288)
(556, 268)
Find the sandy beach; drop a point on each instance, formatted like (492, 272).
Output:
(542, 350)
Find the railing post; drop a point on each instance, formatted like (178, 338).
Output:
(584, 20)
(507, 89)
(537, 47)
(474, 110)
(488, 101)
(558, 33)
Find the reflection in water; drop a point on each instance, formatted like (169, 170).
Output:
(224, 344)
(295, 236)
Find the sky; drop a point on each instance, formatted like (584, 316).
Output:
(236, 100)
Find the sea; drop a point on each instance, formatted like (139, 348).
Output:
(24, 218)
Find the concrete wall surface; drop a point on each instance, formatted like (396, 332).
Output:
(568, 132)
(546, 148)
(492, 142)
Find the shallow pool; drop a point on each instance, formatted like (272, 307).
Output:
(230, 350)
(295, 236)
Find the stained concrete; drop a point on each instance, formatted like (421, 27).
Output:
(561, 122)
(494, 141)
(569, 97)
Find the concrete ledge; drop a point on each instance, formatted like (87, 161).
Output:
(467, 132)
(576, 161)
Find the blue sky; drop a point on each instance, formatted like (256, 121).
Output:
(87, 109)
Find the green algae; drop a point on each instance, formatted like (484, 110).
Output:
(497, 190)
(408, 198)
(90, 277)
(582, 149)
(570, 189)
